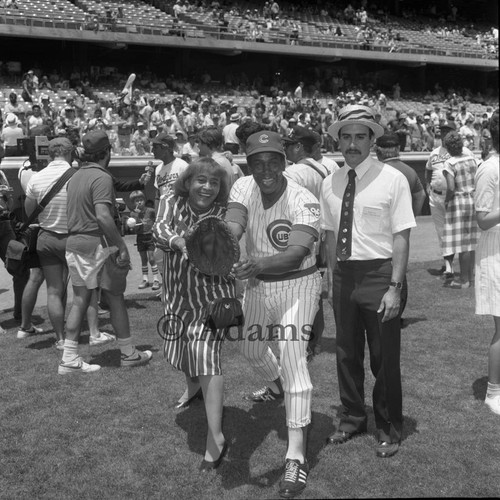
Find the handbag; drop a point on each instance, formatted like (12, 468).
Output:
(224, 313)
(21, 255)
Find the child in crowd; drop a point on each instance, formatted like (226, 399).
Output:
(144, 218)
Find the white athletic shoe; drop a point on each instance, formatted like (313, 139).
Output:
(493, 403)
(24, 334)
(76, 366)
(103, 338)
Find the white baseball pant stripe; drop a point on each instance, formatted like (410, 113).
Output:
(438, 212)
(291, 305)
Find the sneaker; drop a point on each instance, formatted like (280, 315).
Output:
(137, 358)
(102, 312)
(156, 285)
(265, 394)
(103, 338)
(295, 478)
(493, 403)
(59, 345)
(143, 285)
(76, 366)
(24, 334)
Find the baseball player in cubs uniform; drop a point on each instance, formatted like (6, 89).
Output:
(281, 222)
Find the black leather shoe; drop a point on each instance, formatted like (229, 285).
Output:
(386, 450)
(207, 466)
(185, 403)
(341, 437)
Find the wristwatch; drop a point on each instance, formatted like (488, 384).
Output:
(396, 284)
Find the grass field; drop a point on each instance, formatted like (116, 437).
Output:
(115, 434)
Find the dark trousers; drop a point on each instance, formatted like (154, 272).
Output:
(358, 287)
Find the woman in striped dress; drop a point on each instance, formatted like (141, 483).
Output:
(460, 232)
(190, 346)
(487, 287)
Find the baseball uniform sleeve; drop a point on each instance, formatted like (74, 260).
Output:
(305, 220)
(237, 207)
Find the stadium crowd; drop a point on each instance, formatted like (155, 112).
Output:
(181, 109)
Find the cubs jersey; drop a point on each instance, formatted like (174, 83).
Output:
(270, 231)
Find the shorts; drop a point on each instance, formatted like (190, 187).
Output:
(51, 248)
(145, 242)
(97, 270)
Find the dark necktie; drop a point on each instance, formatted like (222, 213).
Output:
(344, 239)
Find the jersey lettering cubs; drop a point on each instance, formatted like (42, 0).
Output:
(268, 230)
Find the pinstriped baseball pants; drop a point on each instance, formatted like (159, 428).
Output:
(282, 311)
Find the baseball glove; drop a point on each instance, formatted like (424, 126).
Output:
(212, 247)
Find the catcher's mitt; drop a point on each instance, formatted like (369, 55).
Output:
(212, 247)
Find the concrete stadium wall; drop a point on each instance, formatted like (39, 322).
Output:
(130, 168)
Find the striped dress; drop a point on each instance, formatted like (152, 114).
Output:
(487, 277)
(461, 231)
(189, 345)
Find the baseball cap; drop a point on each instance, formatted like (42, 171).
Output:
(292, 120)
(449, 125)
(356, 114)
(95, 141)
(60, 142)
(388, 141)
(264, 142)
(165, 140)
(303, 135)
(140, 124)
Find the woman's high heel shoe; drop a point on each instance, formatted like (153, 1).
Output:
(206, 466)
(184, 403)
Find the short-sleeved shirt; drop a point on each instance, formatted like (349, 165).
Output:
(382, 207)
(89, 186)
(308, 173)
(408, 172)
(435, 163)
(270, 231)
(166, 175)
(487, 193)
(54, 216)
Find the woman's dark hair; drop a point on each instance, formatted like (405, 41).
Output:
(200, 166)
(453, 143)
